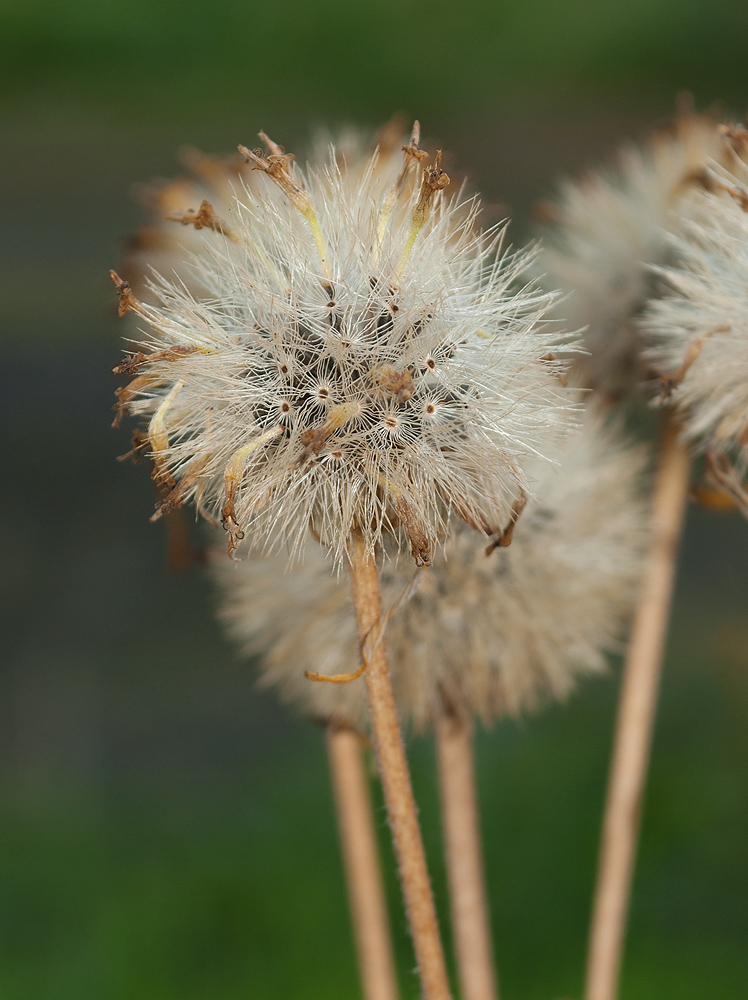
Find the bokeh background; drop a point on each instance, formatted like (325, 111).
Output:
(166, 830)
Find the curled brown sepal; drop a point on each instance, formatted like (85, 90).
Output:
(312, 675)
(373, 638)
(133, 362)
(504, 537)
(127, 300)
(204, 218)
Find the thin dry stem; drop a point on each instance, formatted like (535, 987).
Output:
(635, 721)
(393, 769)
(470, 921)
(363, 873)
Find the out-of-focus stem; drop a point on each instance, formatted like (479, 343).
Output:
(393, 770)
(470, 922)
(636, 712)
(363, 873)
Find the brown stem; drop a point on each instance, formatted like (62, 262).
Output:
(358, 839)
(393, 769)
(470, 923)
(635, 720)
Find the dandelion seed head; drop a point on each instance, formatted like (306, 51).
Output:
(358, 356)
(484, 636)
(607, 229)
(698, 332)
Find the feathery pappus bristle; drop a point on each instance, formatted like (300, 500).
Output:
(608, 228)
(482, 635)
(359, 357)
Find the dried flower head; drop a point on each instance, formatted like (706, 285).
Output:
(608, 229)
(699, 331)
(484, 635)
(360, 359)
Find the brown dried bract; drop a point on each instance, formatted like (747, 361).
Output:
(128, 392)
(204, 218)
(276, 164)
(504, 538)
(434, 180)
(127, 300)
(419, 543)
(315, 439)
(177, 496)
(133, 362)
(231, 525)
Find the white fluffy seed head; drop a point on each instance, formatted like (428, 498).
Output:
(607, 230)
(361, 357)
(484, 636)
(699, 330)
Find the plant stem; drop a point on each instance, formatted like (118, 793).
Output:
(636, 711)
(393, 770)
(363, 873)
(470, 923)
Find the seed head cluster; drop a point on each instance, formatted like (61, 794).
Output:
(483, 635)
(607, 230)
(699, 331)
(353, 354)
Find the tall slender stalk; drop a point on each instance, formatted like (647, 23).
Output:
(393, 769)
(470, 922)
(636, 712)
(363, 873)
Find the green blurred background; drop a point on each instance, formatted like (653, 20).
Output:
(166, 831)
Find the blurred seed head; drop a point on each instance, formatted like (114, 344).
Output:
(608, 228)
(485, 636)
(353, 353)
(698, 331)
